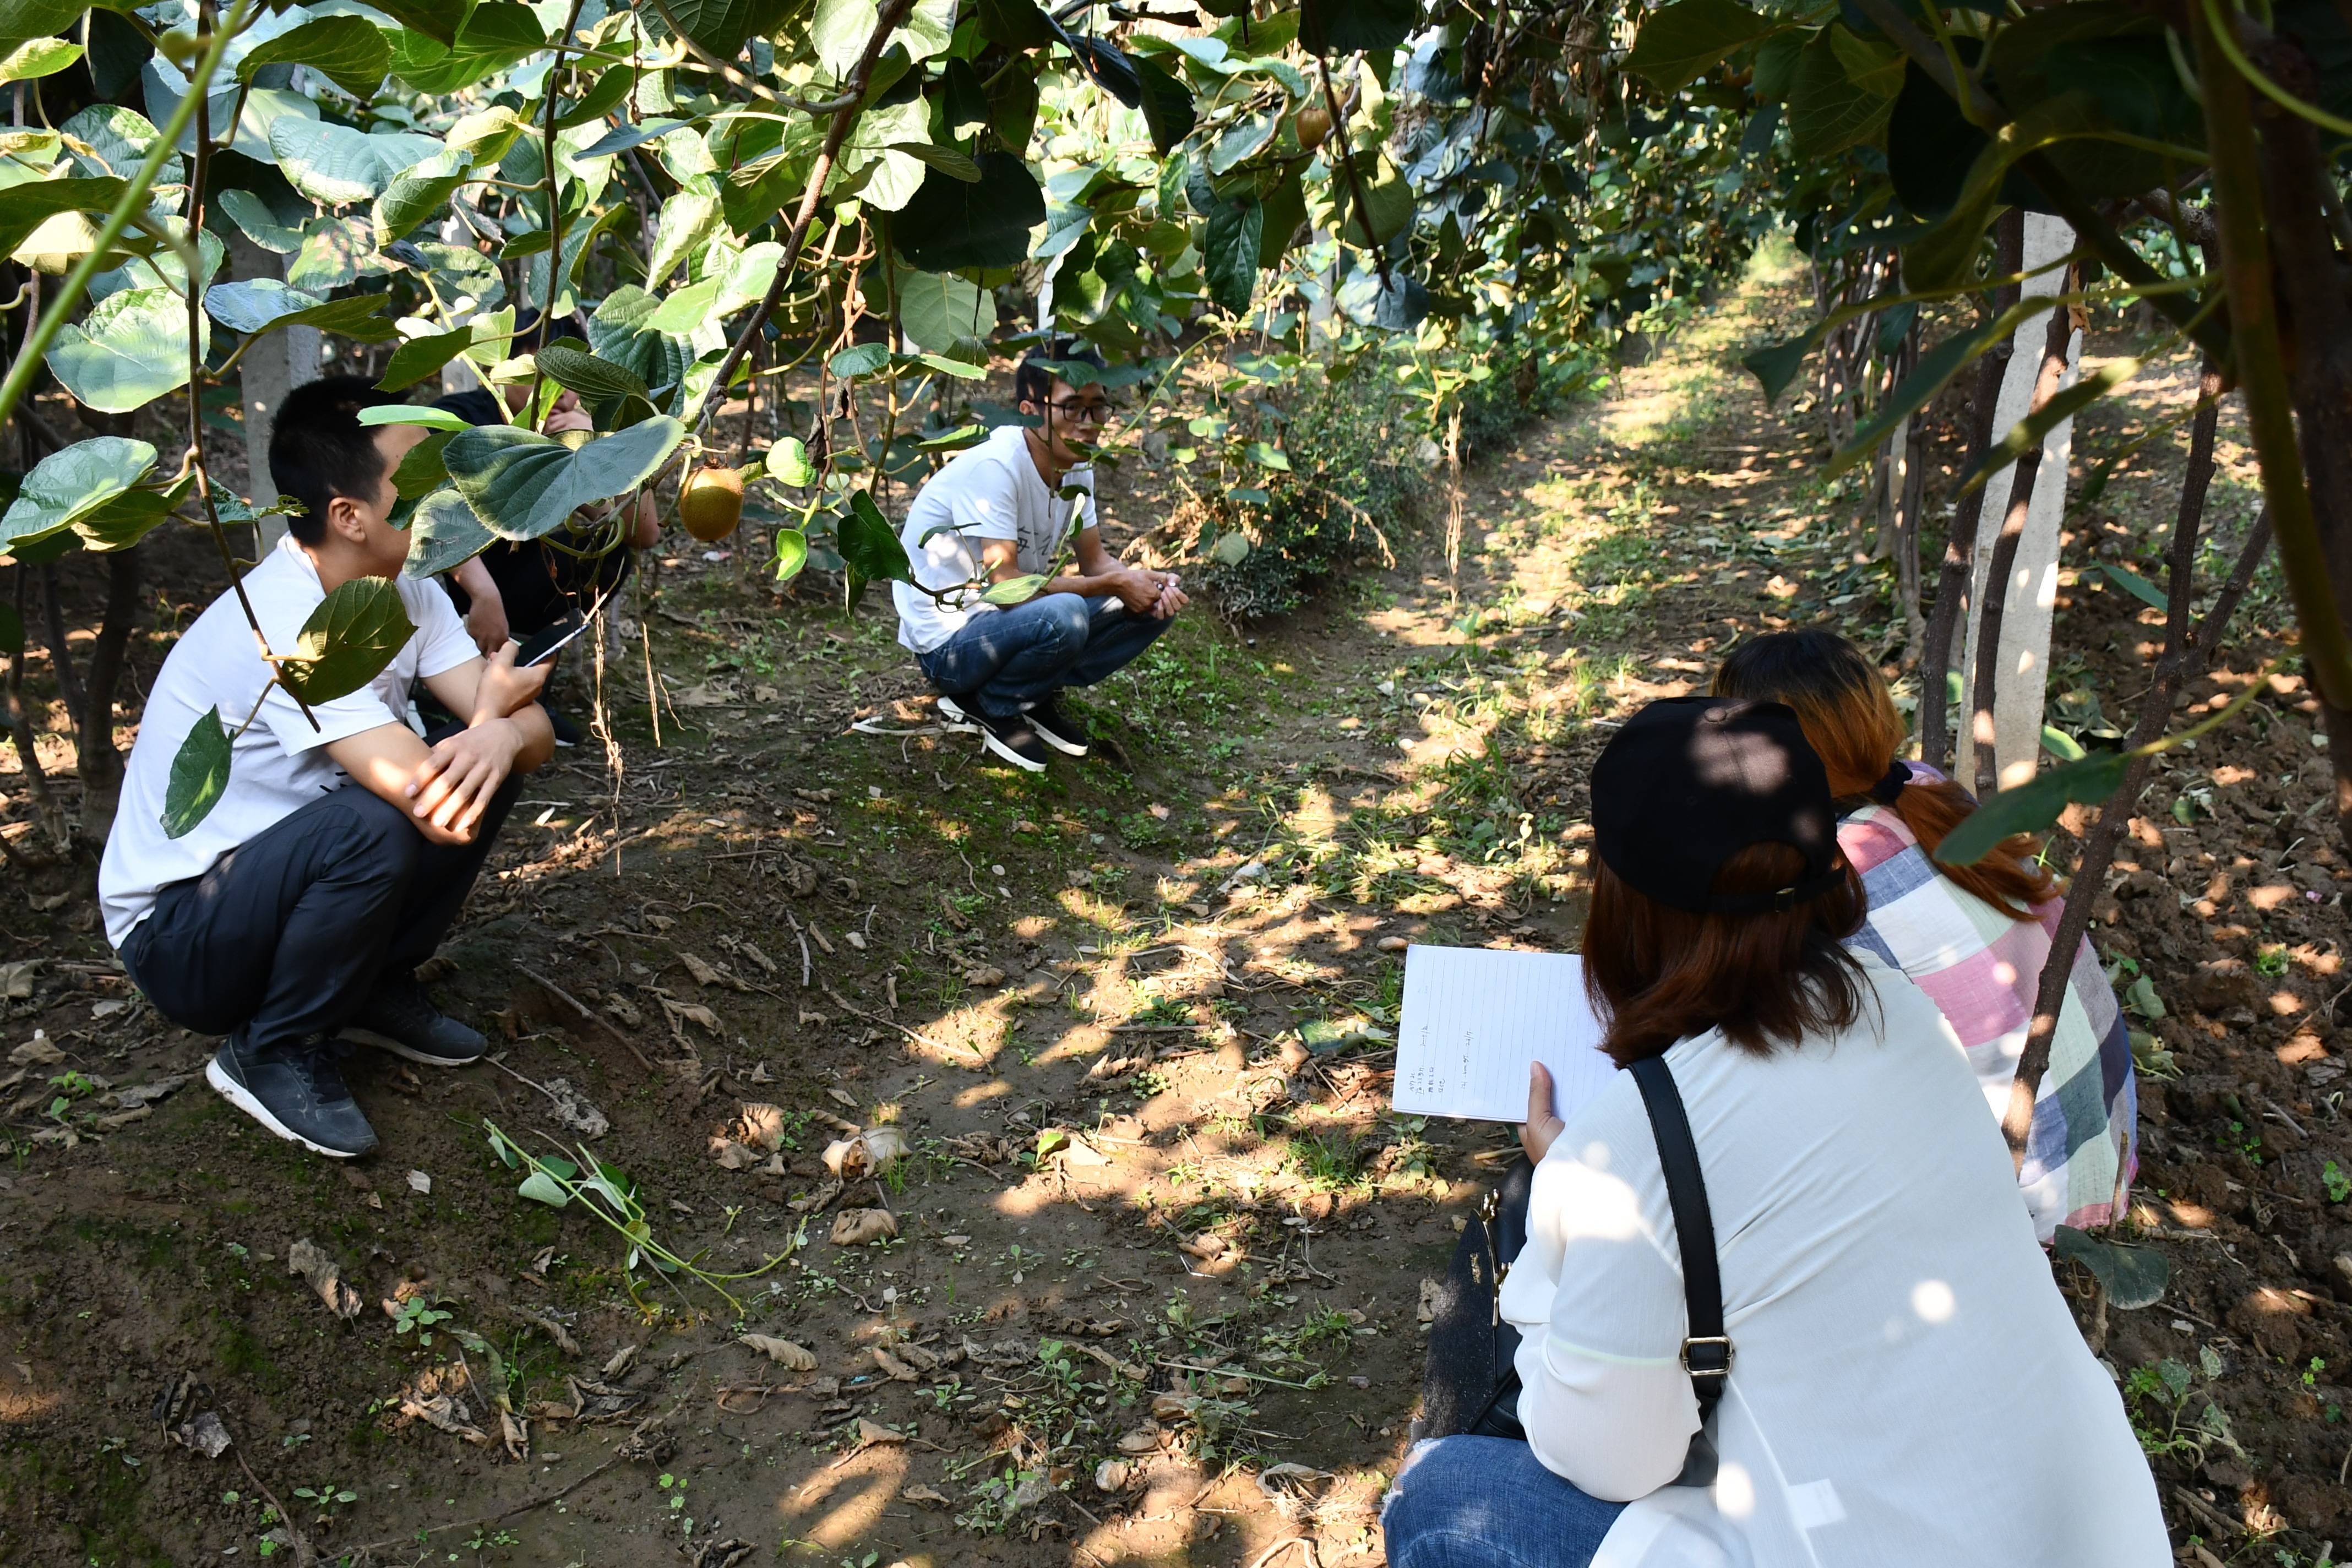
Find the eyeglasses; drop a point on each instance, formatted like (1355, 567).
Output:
(1088, 413)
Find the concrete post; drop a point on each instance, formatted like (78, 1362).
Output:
(278, 364)
(2032, 587)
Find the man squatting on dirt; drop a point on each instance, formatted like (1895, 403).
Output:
(1001, 510)
(297, 910)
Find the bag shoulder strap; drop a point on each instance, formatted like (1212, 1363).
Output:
(1706, 1351)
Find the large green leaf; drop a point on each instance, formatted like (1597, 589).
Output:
(67, 487)
(419, 193)
(1344, 27)
(38, 58)
(334, 251)
(619, 332)
(523, 485)
(339, 166)
(485, 336)
(356, 632)
(1228, 250)
(1388, 200)
(951, 225)
(259, 223)
(199, 773)
(443, 533)
(1690, 37)
(496, 35)
(350, 51)
(1828, 112)
(436, 19)
(422, 470)
(263, 304)
(687, 219)
(26, 207)
(119, 139)
(131, 350)
(724, 27)
(940, 312)
(2032, 806)
(1947, 253)
(869, 547)
(1015, 24)
(2132, 1276)
(584, 373)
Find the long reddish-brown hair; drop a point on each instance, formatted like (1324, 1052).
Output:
(1849, 716)
(1659, 974)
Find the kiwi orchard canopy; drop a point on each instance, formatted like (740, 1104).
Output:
(1229, 201)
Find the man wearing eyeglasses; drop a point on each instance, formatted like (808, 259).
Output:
(1023, 503)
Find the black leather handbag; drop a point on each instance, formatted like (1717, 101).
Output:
(1474, 1387)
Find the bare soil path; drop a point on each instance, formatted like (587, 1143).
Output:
(1145, 1287)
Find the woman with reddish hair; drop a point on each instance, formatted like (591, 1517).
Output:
(1778, 1305)
(1974, 938)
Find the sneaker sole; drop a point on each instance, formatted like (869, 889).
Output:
(237, 1094)
(955, 721)
(386, 1043)
(989, 739)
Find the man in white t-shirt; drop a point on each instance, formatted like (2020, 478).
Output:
(299, 908)
(1007, 509)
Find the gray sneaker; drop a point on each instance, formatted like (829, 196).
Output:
(401, 1019)
(298, 1093)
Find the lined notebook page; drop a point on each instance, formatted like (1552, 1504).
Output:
(1476, 1019)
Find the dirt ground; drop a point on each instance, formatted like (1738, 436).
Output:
(1145, 1286)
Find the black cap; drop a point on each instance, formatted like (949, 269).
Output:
(1690, 782)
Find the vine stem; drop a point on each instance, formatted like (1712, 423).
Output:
(1348, 167)
(33, 353)
(2261, 364)
(714, 397)
(555, 267)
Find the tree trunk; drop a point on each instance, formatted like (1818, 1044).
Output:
(1960, 543)
(100, 765)
(2315, 313)
(20, 735)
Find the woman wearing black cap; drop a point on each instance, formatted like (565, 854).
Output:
(1831, 1340)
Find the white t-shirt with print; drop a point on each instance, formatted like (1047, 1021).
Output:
(992, 491)
(280, 763)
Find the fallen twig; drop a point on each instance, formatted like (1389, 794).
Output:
(581, 1010)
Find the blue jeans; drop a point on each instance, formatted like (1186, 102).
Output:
(1006, 660)
(1486, 1503)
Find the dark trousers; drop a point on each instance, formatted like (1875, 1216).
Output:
(287, 935)
(1471, 1349)
(1012, 658)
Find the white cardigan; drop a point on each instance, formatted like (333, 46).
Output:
(1908, 1386)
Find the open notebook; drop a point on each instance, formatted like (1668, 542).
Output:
(1475, 1019)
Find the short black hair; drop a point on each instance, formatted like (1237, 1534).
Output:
(318, 449)
(1032, 379)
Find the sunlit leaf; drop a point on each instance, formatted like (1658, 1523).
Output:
(350, 51)
(131, 350)
(38, 58)
(338, 166)
(356, 632)
(523, 485)
(199, 773)
(264, 304)
(69, 486)
(791, 554)
(2032, 806)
